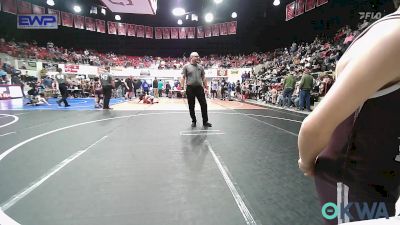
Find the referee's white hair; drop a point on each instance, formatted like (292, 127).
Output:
(193, 54)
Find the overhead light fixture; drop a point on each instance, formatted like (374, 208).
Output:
(50, 2)
(234, 15)
(178, 12)
(103, 11)
(276, 2)
(218, 1)
(77, 8)
(187, 17)
(195, 17)
(209, 17)
(93, 10)
(117, 17)
(180, 22)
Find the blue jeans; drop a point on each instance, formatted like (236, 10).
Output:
(305, 97)
(287, 97)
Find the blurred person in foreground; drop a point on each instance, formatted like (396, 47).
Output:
(350, 142)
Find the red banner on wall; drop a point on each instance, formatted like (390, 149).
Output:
(166, 33)
(191, 32)
(232, 27)
(140, 31)
(158, 33)
(90, 25)
(321, 2)
(79, 22)
(149, 32)
(300, 5)
(67, 19)
(223, 29)
(24, 7)
(53, 11)
(200, 32)
(215, 30)
(9, 6)
(310, 4)
(290, 11)
(131, 30)
(174, 32)
(101, 26)
(182, 33)
(121, 27)
(112, 27)
(71, 68)
(38, 9)
(207, 31)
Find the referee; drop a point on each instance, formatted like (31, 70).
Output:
(61, 83)
(107, 83)
(193, 77)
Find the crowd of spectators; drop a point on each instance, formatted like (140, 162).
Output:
(52, 53)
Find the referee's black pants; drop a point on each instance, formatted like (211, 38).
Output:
(64, 93)
(193, 92)
(107, 91)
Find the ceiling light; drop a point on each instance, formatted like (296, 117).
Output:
(276, 2)
(180, 22)
(195, 17)
(217, 1)
(93, 10)
(117, 17)
(178, 12)
(77, 8)
(50, 2)
(209, 17)
(103, 11)
(234, 15)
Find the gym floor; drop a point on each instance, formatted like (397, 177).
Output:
(144, 164)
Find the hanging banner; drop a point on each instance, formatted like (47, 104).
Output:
(290, 11)
(223, 29)
(10, 6)
(174, 32)
(101, 26)
(79, 22)
(149, 32)
(232, 27)
(121, 29)
(300, 4)
(200, 32)
(112, 27)
(140, 31)
(132, 6)
(182, 33)
(24, 7)
(321, 2)
(131, 30)
(53, 11)
(67, 19)
(215, 30)
(38, 9)
(166, 33)
(310, 4)
(90, 24)
(190, 32)
(207, 31)
(158, 32)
